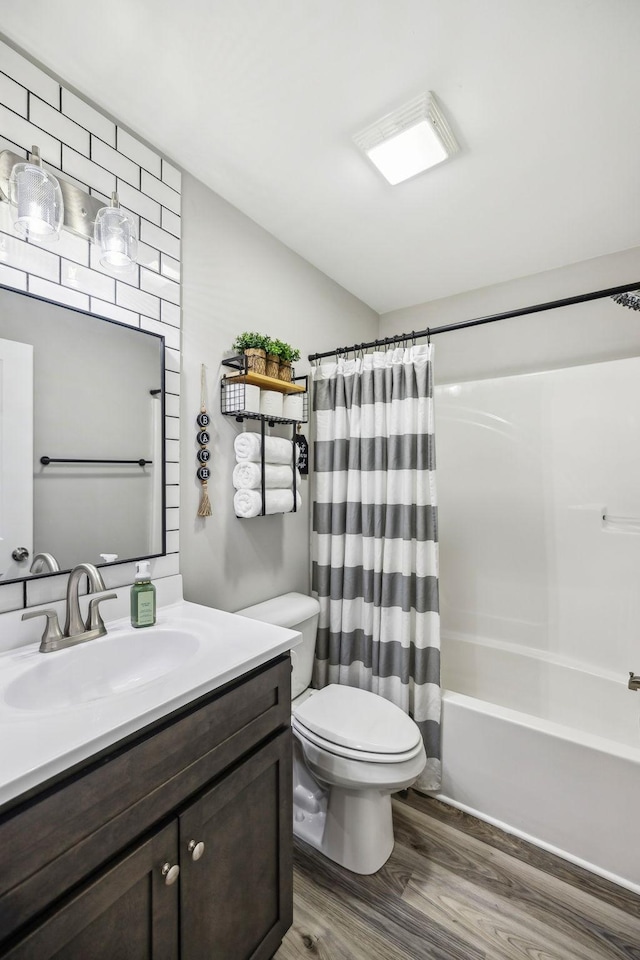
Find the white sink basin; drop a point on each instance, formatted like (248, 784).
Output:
(100, 668)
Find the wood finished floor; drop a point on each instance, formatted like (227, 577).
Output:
(456, 888)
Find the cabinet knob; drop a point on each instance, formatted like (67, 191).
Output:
(195, 848)
(170, 873)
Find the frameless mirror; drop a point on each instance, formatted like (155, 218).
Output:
(81, 439)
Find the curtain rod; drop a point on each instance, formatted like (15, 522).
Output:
(447, 327)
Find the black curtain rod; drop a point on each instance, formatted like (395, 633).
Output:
(447, 327)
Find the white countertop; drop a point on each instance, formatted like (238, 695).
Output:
(37, 743)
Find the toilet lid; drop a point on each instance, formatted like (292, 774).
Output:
(359, 720)
(349, 753)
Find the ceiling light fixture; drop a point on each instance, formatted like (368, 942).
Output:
(115, 234)
(36, 200)
(413, 138)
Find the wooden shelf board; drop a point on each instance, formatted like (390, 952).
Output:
(265, 383)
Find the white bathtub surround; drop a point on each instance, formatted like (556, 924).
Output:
(375, 521)
(541, 607)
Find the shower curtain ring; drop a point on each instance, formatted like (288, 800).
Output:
(428, 337)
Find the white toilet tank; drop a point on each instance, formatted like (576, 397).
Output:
(296, 612)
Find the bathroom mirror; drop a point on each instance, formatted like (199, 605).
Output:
(81, 438)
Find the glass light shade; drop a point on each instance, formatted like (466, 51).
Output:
(36, 202)
(115, 234)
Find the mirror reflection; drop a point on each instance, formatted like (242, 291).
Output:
(81, 439)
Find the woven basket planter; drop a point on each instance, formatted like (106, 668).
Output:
(272, 365)
(256, 360)
(285, 371)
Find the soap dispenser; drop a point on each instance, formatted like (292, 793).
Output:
(143, 597)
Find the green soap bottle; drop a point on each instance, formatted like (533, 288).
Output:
(143, 597)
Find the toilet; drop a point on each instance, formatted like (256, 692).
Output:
(351, 750)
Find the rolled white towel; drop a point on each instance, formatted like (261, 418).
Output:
(248, 503)
(248, 476)
(276, 449)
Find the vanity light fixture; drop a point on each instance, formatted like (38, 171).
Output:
(26, 186)
(413, 138)
(36, 200)
(115, 234)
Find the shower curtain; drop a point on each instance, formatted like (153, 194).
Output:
(374, 538)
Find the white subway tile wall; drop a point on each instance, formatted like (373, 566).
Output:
(91, 150)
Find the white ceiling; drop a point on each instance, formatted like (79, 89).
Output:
(259, 99)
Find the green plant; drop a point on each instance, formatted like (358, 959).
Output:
(250, 341)
(274, 347)
(288, 353)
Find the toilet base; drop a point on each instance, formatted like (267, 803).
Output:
(351, 827)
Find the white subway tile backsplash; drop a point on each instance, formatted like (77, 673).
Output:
(153, 235)
(170, 334)
(87, 171)
(172, 361)
(160, 191)
(137, 300)
(27, 256)
(173, 541)
(170, 267)
(172, 428)
(171, 222)
(159, 285)
(91, 151)
(20, 131)
(27, 74)
(172, 450)
(123, 168)
(148, 257)
(137, 151)
(87, 117)
(13, 278)
(172, 406)
(171, 176)
(60, 126)
(112, 312)
(88, 281)
(13, 95)
(53, 291)
(172, 382)
(172, 496)
(73, 248)
(133, 200)
(170, 313)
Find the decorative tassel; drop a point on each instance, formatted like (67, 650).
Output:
(203, 472)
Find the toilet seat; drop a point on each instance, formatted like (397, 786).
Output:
(357, 724)
(351, 753)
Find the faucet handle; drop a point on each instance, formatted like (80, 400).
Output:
(52, 633)
(94, 620)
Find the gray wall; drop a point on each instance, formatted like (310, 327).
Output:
(238, 277)
(578, 334)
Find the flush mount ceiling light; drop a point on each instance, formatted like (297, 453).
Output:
(115, 234)
(42, 204)
(36, 200)
(411, 139)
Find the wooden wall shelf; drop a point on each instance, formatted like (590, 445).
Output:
(265, 383)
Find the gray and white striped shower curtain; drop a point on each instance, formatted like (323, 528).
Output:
(374, 541)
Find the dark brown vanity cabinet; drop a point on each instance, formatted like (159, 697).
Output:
(210, 877)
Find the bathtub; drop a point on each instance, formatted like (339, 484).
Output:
(544, 749)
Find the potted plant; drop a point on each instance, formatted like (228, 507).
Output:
(287, 355)
(253, 345)
(273, 357)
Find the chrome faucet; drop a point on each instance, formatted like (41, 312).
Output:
(634, 681)
(76, 630)
(44, 562)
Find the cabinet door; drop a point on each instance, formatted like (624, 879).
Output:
(236, 898)
(128, 912)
